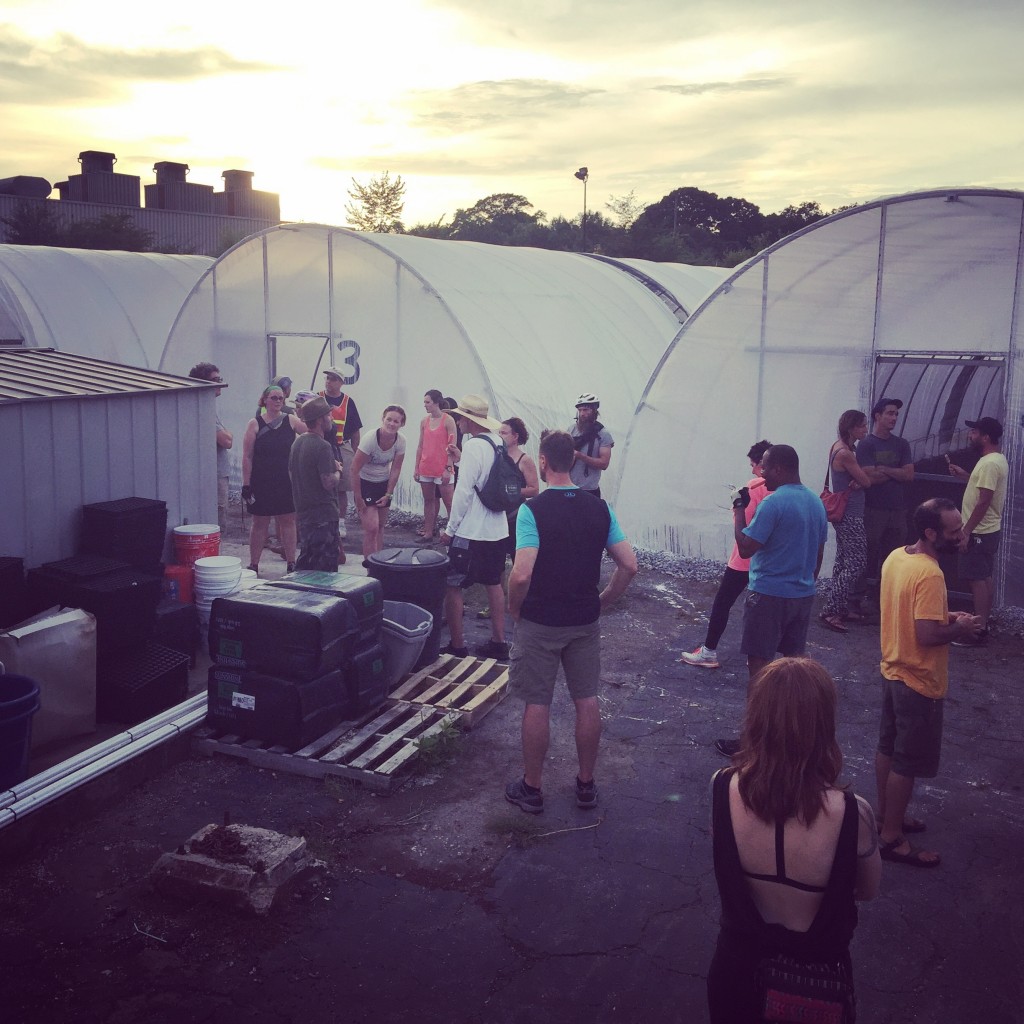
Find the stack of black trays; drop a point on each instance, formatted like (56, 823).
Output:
(177, 627)
(289, 660)
(133, 530)
(15, 605)
(135, 678)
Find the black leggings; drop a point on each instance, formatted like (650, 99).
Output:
(734, 582)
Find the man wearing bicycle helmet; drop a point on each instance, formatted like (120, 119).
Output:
(593, 445)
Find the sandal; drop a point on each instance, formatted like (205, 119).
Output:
(833, 622)
(887, 851)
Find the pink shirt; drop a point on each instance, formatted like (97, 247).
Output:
(434, 446)
(758, 492)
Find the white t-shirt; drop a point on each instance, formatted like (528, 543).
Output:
(378, 462)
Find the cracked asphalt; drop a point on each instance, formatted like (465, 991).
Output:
(443, 902)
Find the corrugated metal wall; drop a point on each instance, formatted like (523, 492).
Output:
(59, 455)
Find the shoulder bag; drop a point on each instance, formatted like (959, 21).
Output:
(834, 502)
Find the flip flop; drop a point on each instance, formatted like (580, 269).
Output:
(833, 623)
(887, 851)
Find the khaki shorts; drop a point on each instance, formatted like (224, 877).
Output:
(538, 651)
(347, 458)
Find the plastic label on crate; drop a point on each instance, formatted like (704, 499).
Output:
(243, 700)
(230, 649)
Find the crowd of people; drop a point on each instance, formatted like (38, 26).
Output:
(793, 849)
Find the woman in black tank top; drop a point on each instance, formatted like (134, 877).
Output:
(792, 850)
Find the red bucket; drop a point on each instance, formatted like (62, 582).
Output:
(197, 540)
(178, 583)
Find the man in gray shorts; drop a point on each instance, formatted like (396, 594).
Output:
(555, 600)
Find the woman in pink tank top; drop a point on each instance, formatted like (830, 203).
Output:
(433, 463)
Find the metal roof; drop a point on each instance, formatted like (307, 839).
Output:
(44, 374)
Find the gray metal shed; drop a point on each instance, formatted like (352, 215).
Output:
(77, 430)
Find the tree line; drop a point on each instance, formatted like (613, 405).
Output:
(689, 225)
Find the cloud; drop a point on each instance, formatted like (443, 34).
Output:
(477, 105)
(65, 70)
(745, 85)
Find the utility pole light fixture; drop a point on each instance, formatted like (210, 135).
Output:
(583, 174)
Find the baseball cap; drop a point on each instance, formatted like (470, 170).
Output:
(883, 402)
(989, 426)
(335, 372)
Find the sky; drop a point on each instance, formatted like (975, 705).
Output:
(775, 103)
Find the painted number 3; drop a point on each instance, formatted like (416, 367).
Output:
(349, 351)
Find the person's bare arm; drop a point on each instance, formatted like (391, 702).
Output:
(225, 439)
(903, 474)
(396, 472)
(624, 557)
(847, 462)
(869, 863)
(248, 446)
(821, 555)
(746, 546)
(358, 462)
(979, 510)
(932, 633)
(297, 425)
(519, 579)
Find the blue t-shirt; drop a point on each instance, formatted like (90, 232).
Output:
(792, 527)
(526, 526)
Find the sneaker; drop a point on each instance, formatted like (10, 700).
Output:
(484, 613)
(586, 794)
(290, 567)
(455, 652)
(342, 529)
(727, 748)
(701, 657)
(517, 793)
(492, 649)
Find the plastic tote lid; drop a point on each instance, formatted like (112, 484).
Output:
(409, 558)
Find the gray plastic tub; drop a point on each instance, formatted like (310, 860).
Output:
(404, 631)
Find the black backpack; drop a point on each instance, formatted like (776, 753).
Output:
(502, 490)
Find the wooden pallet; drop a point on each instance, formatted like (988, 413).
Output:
(371, 752)
(472, 687)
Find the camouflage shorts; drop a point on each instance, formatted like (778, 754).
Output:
(318, 548)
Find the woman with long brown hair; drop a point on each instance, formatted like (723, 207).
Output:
(792, 851)
(851, 538)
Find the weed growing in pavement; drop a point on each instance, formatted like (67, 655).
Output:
(520, 828)
(439, 748)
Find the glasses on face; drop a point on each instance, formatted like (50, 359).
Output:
(275, 398)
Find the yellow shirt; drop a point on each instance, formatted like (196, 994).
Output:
(913, 587)
(990, 472)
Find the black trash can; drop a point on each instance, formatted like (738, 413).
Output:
(19, 701)
(416, 575)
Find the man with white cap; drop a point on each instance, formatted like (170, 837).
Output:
(347, 426)
(593, 444)
(477, 536)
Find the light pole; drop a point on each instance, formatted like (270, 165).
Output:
(583, 174)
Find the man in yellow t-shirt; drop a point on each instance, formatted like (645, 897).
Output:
(982, 511)
(917, 628)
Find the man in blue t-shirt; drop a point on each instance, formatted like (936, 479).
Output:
(785, 542)
(555, 599)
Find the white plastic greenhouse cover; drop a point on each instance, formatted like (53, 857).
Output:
(117, 306)
(917, 297)
(529, 329)
(688, 284)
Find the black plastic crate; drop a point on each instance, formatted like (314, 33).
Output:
(177, 627)
(123, 601)
(134, 529)
(137, 684)
(252, 705)
(81, 567)
(15, 604)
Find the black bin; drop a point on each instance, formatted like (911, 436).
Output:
(15, 605)
(416, 575)
(132, 529)
(137, 684)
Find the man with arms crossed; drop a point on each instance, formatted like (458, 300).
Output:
(314, 474)
(593, 444)
(785, 542)
(554, 598)
(982, 512)
(917, 628)
(886, 459)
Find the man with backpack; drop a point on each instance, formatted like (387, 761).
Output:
(476, 534)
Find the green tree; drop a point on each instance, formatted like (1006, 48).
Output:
(32, 223)
(502, 219)
(377, 206)
(624, 209)
(108, 231)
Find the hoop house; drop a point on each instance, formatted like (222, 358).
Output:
(528, 329)
(916, 297)
(117, 306)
